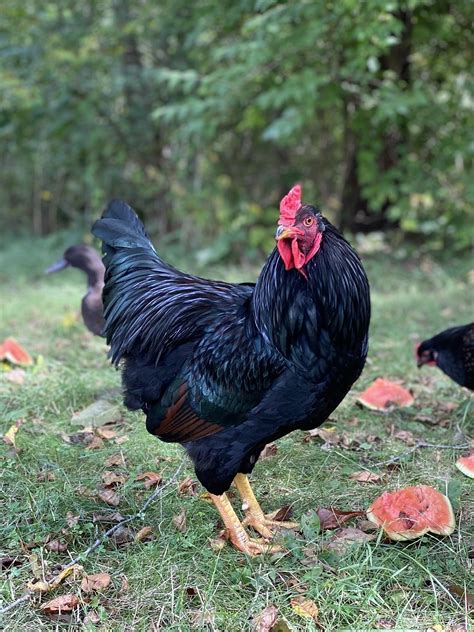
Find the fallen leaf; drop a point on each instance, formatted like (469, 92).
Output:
(447, 407)
(97, 582)
(200, 619)
(179, 521)
(345, 538)
(42, 477)
(108, 518)
(56, 546)
(16, 376)
(7, 561)
(95, 444)
(123, 535)
(151, 479)
(109, 497)
(217, 544)
(365, 477)
(328, 435)
(92, 617)
(64, 603)
(188, 487)
(46, 586)
(99, 413)
(123, 585)
(282, 514)
(465, 596)
(265, 621)
(268, 451)
(145, 533)
(112, 479)
(71, 519)
(9, 436)
(115, 459)
(385, 624)
(106, 433)
(367, 526)
(406, 436)
(331, 518)
(122, 439)
(305, 608)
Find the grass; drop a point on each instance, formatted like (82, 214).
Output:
(177, 581)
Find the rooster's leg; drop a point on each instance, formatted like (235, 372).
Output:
(238, 535)
(254, 515)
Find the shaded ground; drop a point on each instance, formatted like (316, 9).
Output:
(177, 581)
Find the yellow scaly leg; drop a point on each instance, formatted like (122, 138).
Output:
(238, 535)
(254, 515)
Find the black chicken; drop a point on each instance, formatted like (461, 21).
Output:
(86, 259)
(225, 368)
(452, 351)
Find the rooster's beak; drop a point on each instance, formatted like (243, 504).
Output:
(285, 232)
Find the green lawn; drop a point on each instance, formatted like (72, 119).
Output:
(177, 581)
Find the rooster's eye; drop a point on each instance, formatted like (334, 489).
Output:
(308, 221)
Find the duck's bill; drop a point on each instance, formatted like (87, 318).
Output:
(59, 265)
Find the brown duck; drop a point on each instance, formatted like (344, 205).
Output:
(87, 259)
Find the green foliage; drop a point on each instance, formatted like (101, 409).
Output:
(202, 115)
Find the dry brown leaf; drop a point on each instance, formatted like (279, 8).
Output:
(331, 518)
(106, 433)
(365, 477)
(123, 585)
(265, 621)
(145, 533)
(109, 497)
(56, 546)
(7, 561)
(151, 479)
(112, 479)
(268, 451)
(179, 521)
(99, 581)
(188, 487)
(199, 619)
(345, 538)
(385, 624)
(367, 526)
(328, 435)
(99, 413)
(71, 519)
(9, 436)
(217, 544)
(95, 444)
(282, 514)
(406, 436)
(122, 439)
(64, 603)
(43, 586)
(41, 477)
(123, 535)
(15, 376)
(115, 459)
(91, 618)
(465, 596)
(108, 518)
(305, 608)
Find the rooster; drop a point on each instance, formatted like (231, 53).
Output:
(223, 368)
(452, 351)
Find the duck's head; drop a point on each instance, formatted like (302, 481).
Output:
(83, 257)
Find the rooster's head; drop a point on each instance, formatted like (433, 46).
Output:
(300, 230)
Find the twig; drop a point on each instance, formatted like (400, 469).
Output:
(157, 493)
(420, 444)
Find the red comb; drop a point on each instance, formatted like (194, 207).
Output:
(289, 206)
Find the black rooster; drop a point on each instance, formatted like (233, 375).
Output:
(225, 368)
(452, 351)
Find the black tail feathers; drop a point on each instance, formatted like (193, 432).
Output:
(120, 227)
